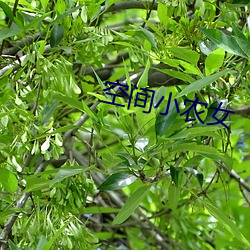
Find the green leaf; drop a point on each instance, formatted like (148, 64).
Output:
(7, 10)
(193, 132)
(70, 101)
(9, 32)
(8, 180)
(67, 12)
(214, 61)
(164, 122)
(98, 210)
(223, 41)
(173, 196)
(44, 3)
(194, 161)
(177, 74)
(49, 110)
(205, 150)
(109, 97)
(132, 203)
(244, 45)
(66, 172)
(161, 92)
(49, 244)
(9, 211)
(143, 81)
(56, 35)
(13, 246)
(162, 12)
(174, 172)
(33, 183)
(227, 223)
(117, 181)
(197, 85)
(41, 243)
(147, 35)
(198, 175)
(245, 2)
(186, 55)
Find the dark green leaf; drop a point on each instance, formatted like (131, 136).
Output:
(174, 172)
(7, 10)
(117, 181)
(56, 35)
(245, 2)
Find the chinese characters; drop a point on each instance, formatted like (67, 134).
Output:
(141, 99)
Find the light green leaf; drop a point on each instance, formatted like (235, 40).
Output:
(70, 101)
(193, 132)
(66, 172)
(49, 244)
(132, 203)
(186, 54)
(197, 85)
(13, 246)
(162, 12)
(117, 181)
(34, 183)
(214, 61)
(8, 180)
(177, 74)
(99, 210)
(143, 81)
(44, 3)
(41, 243)
(173, 196)
(228, 224)
(161, 92)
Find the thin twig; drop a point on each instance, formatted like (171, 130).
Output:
(235, 176)
(9, 24)
(148, 14)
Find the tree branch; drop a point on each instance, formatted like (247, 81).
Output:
(21, 44)
(20, 203)
(235, 176)
(129, 5)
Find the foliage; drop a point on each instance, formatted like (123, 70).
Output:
(79, 173)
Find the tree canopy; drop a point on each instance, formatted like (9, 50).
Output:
(124, 124)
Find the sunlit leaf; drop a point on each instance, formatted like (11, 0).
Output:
(8, 180)
(117, 181)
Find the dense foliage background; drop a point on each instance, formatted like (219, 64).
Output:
(79, 173)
